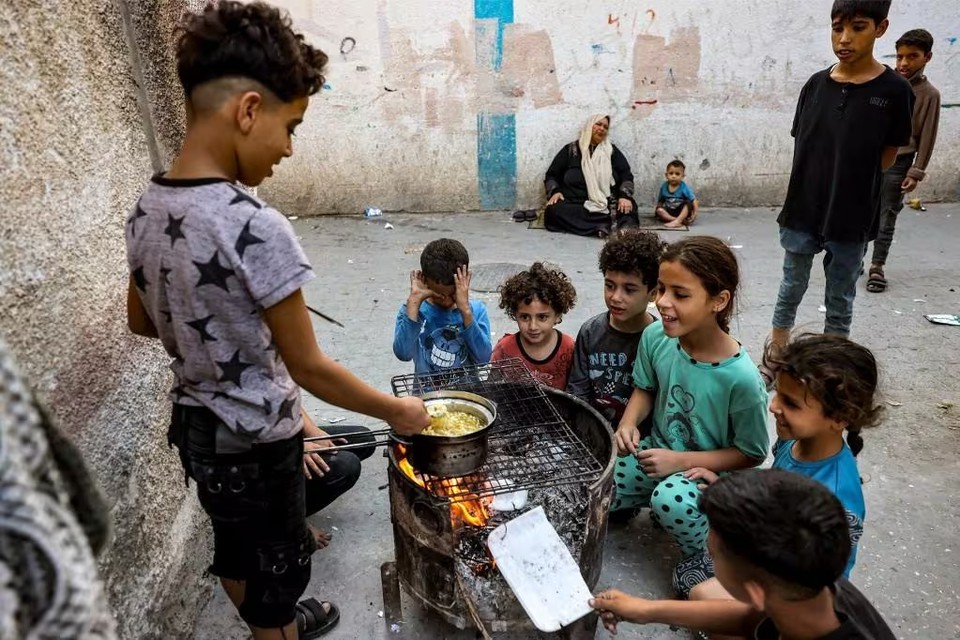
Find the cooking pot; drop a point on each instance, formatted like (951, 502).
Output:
(438, 456)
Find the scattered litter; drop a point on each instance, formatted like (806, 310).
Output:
(372, 212)
(349, 261)
(379, 614)
(388, 226)
(944, 318)
(293, 217)
(919, 300)
(382, 487)
(335, 529)
(894, 403)
(916, 203)
(822, 309)
(945, 406)
(334, 420)
(394, 628)
(736, 246)
(899, 313)
(299, 238)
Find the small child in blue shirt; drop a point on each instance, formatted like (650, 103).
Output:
(825, 385)
(677, 205)
(439, 327)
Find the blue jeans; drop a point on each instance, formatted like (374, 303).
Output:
(891, 203)
(842, 266)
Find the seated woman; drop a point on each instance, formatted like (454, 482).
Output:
(590, 186)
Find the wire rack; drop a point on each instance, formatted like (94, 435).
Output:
(530, 446)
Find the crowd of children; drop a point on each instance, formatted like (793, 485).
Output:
(216, 276)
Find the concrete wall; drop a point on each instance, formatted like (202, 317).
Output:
(462, 105)
(75, 151)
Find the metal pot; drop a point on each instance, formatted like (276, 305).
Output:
(452, 456)
(438, 456)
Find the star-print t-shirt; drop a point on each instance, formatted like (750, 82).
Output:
(702, 406)
(838, 473)
(207, 259)
(439, 342)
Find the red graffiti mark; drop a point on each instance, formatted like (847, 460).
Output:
(611, 19)
(637, 103)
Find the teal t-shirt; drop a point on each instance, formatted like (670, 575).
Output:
(702, 406)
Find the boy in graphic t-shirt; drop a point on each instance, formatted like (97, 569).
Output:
(677, 205)
(851, 118)
(216, 276)
(606, 346)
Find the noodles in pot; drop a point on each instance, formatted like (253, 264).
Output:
(444, 422)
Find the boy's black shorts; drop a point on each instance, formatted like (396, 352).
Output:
(255, 500)
(676, 209)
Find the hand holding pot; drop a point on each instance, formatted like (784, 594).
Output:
(409, 416)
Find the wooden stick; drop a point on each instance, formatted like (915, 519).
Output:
(471, 607)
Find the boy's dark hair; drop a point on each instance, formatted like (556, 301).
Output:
(876, 10)
(713, 263)
(789, 530)
(919, 38)
(256, 41)
(677, 163)
(441, 258)
(841, 374)
(550, 286)
(633, 251)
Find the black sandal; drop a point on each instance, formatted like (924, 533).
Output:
(528, 215)
(876, 281)
(313, 620)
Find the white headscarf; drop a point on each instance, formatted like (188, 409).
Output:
(597, 168)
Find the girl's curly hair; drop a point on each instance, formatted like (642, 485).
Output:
(841, 374)
(550, 286)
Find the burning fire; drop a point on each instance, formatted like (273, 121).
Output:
(465, 506)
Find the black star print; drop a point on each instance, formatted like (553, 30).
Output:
(140, 279)
(246, 239)
(173, 228)
(306, 267)
(220, 394)
(244, 197)
(213, 273)
(132, 220)
(267, 407)
(286, 410)
(165, 274)
(233, 369)
(200, 325)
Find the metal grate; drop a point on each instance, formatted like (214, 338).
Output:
(531, 445)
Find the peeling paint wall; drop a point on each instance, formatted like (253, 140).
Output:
(462, 105)
(75, 151)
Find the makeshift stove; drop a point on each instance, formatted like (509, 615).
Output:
(547, 449)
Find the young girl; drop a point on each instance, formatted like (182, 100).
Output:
(825, 385)
(706, 396)
(537, 300)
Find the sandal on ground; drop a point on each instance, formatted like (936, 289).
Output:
(528, 215)
(313, 620)
(876, 281)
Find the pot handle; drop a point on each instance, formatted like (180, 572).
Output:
(400, 440)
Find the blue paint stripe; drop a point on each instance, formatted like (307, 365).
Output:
(502, 12)
(496, 133)
(497, 160)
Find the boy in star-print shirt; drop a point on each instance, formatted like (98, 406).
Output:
(216, 275)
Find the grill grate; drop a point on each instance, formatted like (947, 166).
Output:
(531, 446)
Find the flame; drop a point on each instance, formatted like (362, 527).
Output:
(465, 507)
